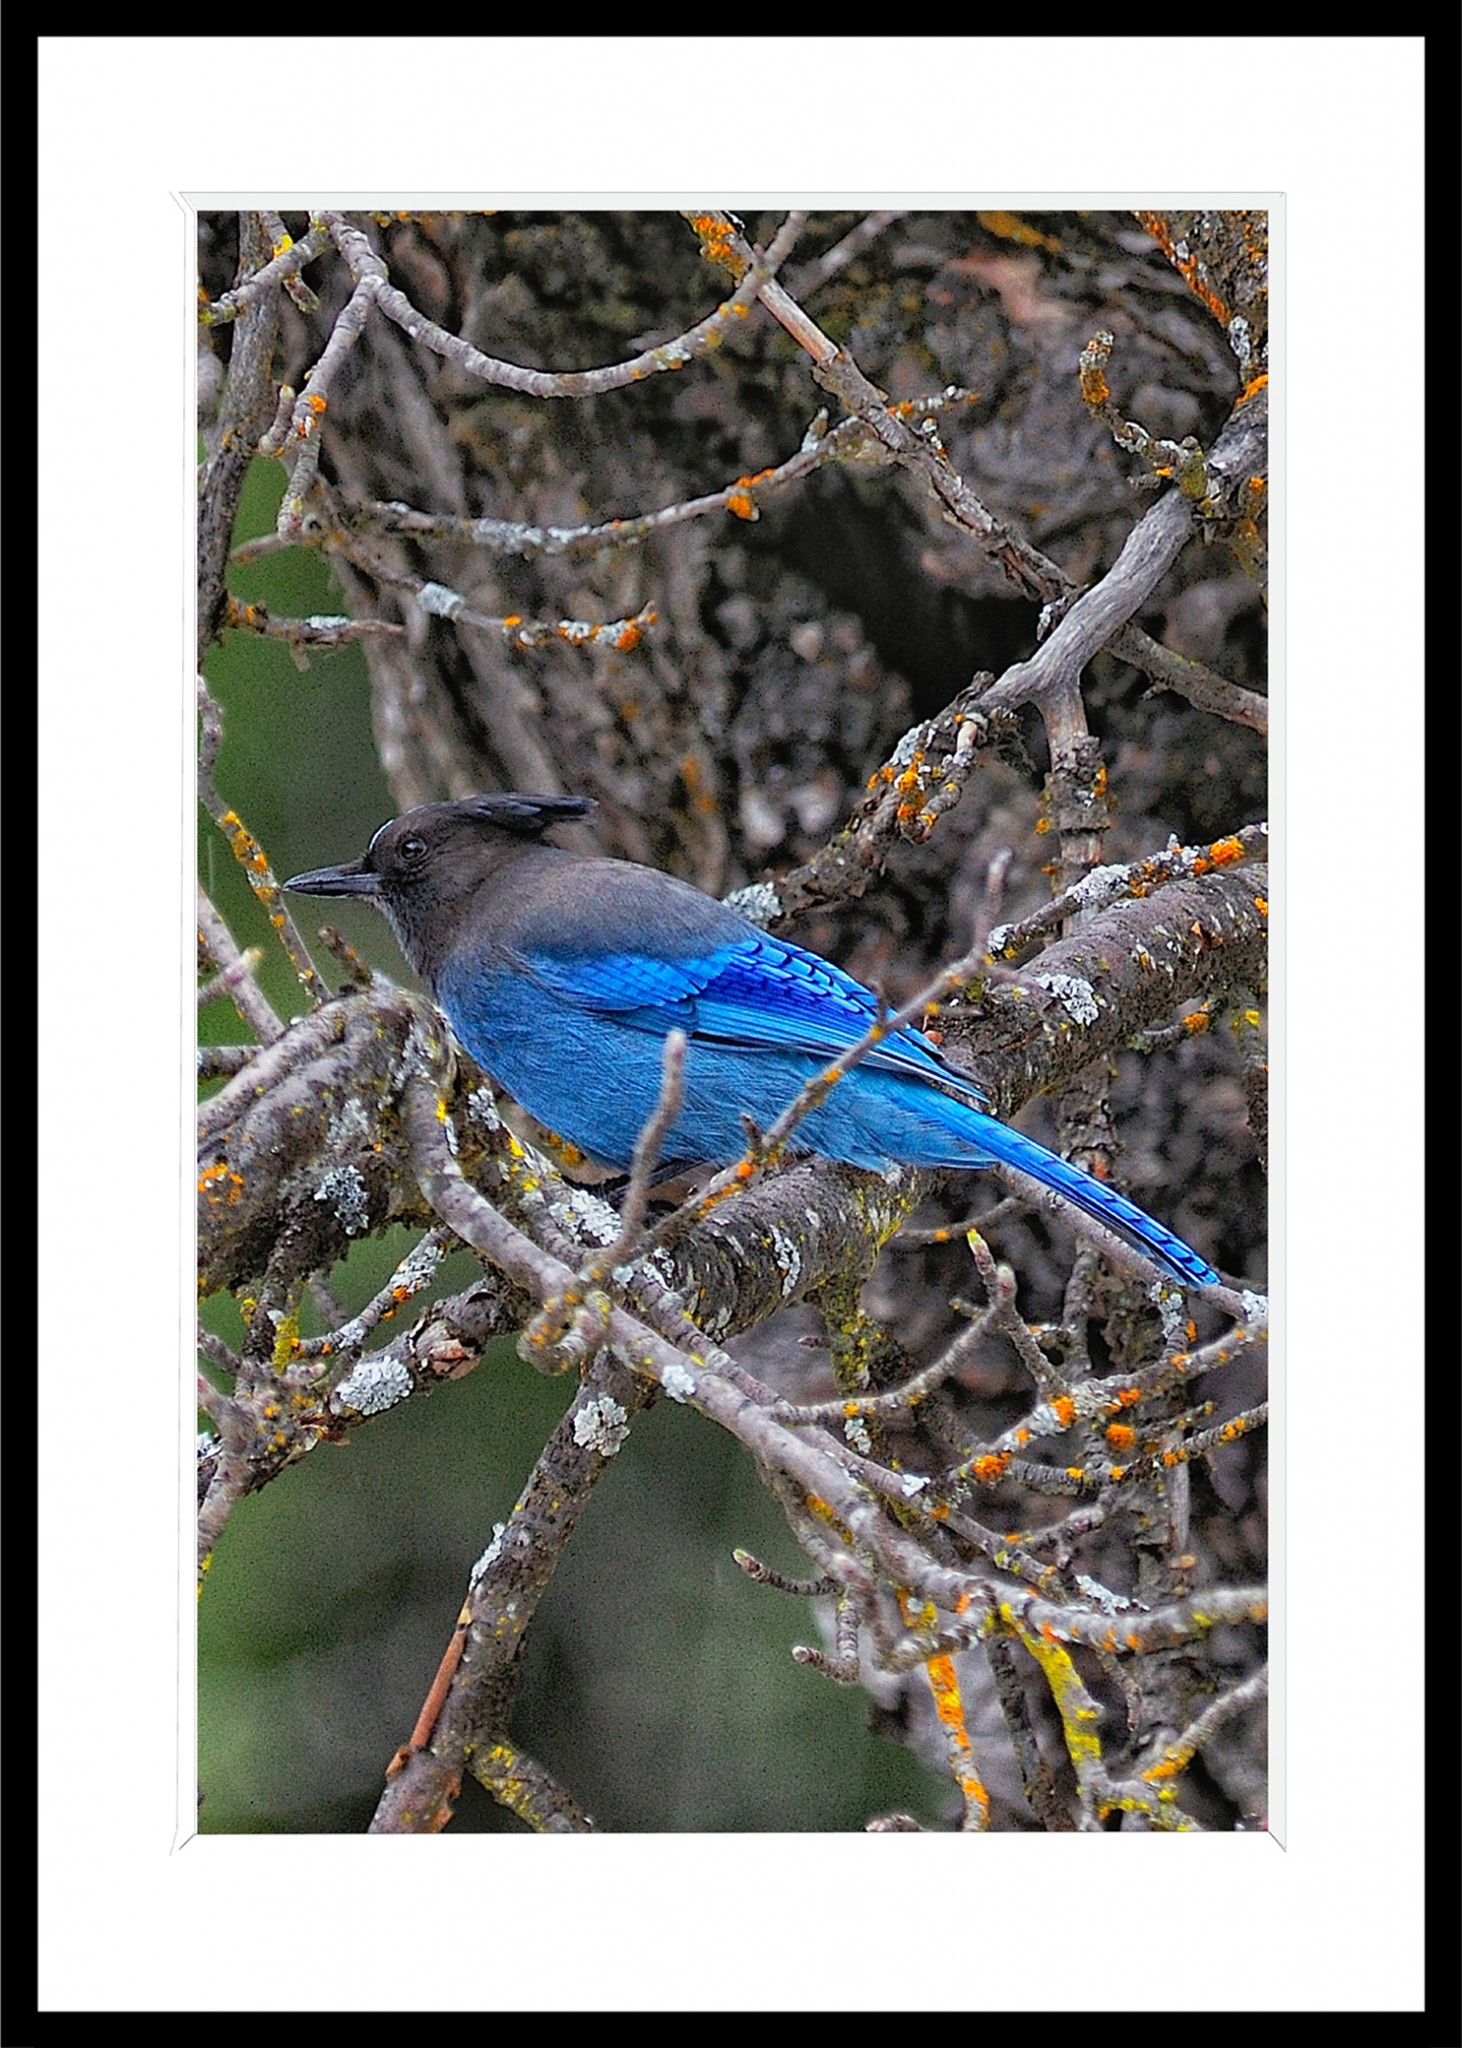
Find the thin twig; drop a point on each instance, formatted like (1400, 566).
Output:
(248, 998)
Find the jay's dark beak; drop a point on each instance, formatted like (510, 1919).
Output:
(354, 878)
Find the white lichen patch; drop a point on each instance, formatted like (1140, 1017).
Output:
(1076, 995)
(789, 1260)
(1100, 887)
(581, 1212)
(344, 1189)
(678, 1383)
(759, 902)
(1172, 1311)
(439, 601)
(373, 1386)
(489, 1556)
(601, 1425)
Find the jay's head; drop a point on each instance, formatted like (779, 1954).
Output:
(430, 863)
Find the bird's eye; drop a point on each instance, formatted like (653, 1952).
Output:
(411, 852)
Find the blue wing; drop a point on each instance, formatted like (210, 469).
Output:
(759, 993)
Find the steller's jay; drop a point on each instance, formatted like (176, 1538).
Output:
(562, 976)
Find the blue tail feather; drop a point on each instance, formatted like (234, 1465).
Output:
(887, 1119)
(1099, 1200)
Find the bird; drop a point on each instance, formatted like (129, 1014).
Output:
(563, 974)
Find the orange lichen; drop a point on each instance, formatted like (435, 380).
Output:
(702, 794)
(740, 501)
(716, 238)
(1094, 386)
(1010, 227)
(220, 1183)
